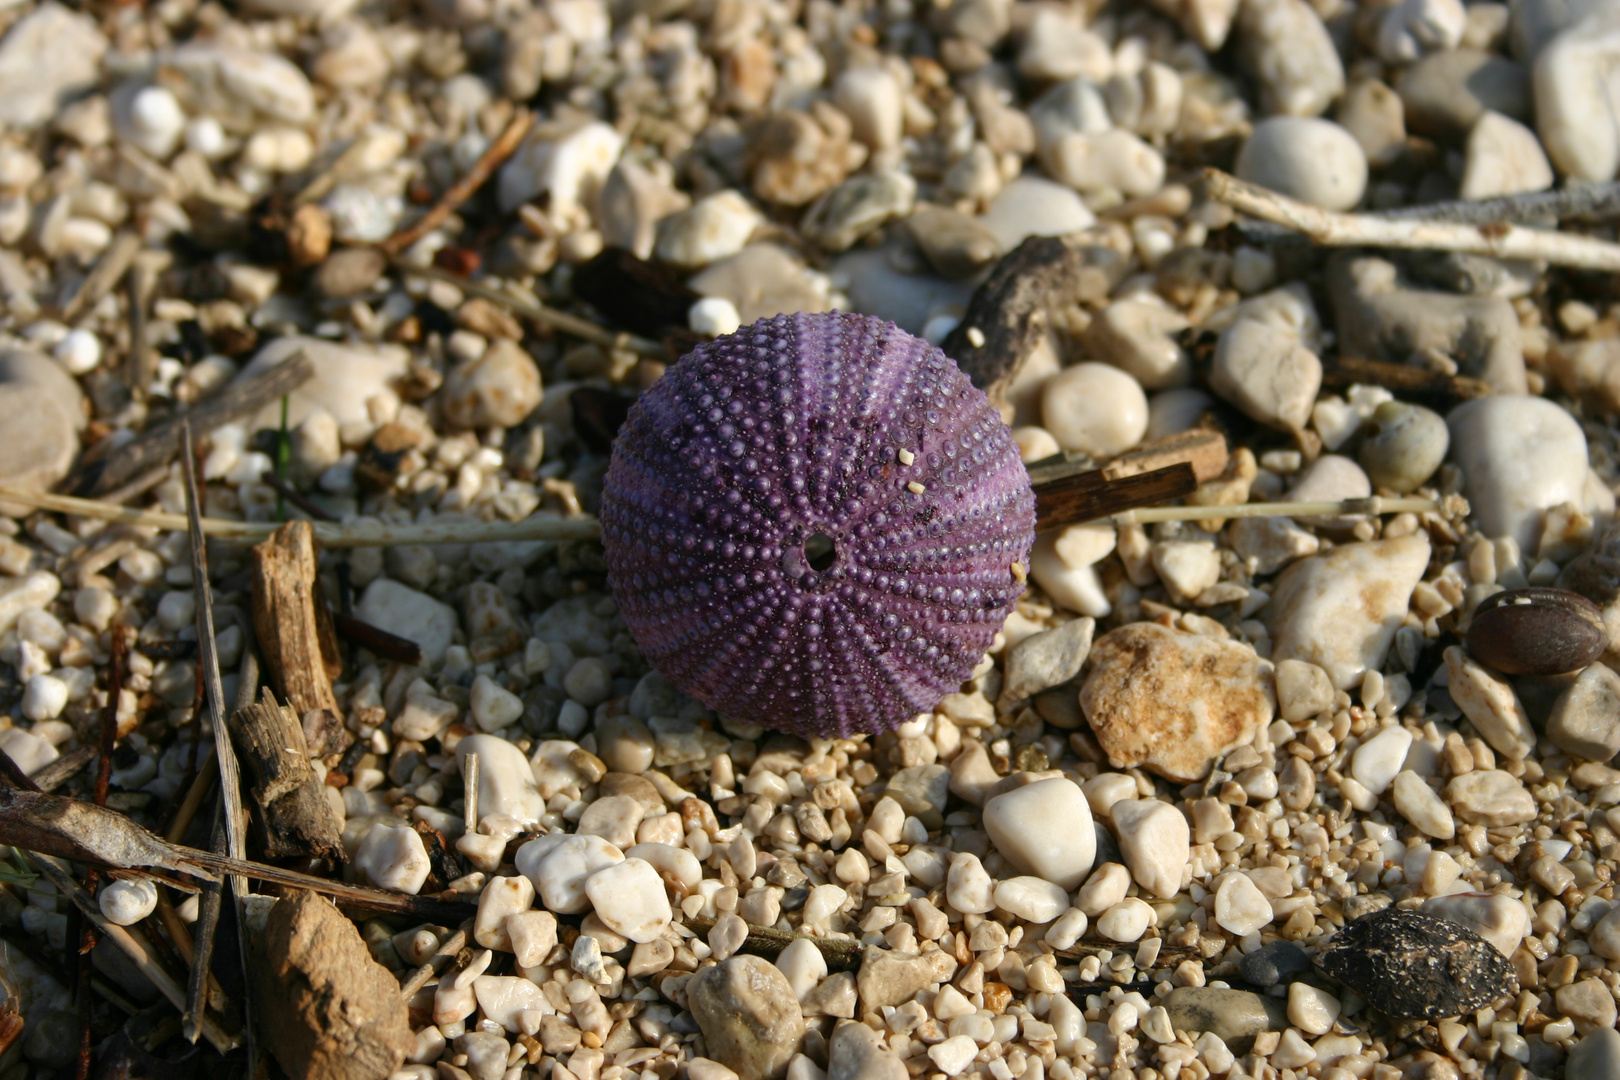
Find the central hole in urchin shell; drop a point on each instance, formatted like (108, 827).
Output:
(820, 552)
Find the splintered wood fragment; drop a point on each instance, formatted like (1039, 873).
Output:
(289, 799)
(1406, 380)
(1090, 495)
(82, 832)
(841, 954)
(285, 619)
(158, 444)
(386, 645)
(52, 776)
(1203, 449)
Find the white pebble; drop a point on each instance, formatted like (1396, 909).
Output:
(533, 935)
(560, 865)
(803, 965)
(156, 121)
(493, 706)
(1032, 899)
(1018, 824)
(44, 697)
(1156, 842)
(1315, 161)
(393, 857)
(954, 1054)
(1377, 760)
(713, 316)
(1420, 804)
(1069, 928)
(630, 900)
(79, 352)
(126, 902)
(1127, 920)
(1310, 1009)
(1240, 906)
(968, 887)
(206, 136)
(1094, 408)
(177, 609)
(502, 897)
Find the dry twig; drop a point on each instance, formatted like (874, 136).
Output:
(498, 151)
(1498, 240)
(540, 313)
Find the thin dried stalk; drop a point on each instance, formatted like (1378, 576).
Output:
(449, 532)
(133, 947)
(1498, 240)
(1375, 504)
(230, 783)
(498, 151)
(540, 313)
(446, 951)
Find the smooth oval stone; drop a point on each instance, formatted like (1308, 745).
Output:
(1315, 161)
(1406, 444)
(1234, 1016)
(1537, 631)
(1445, 93)
(1519, 455)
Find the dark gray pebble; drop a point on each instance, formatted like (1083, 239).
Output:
(1278, 962)
(1414, 966)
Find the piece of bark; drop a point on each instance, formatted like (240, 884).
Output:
(1087, 496)
(327, 1009)
(1011, 312)
(287, 622)
(1409, 381)
(159, 443)
(288, 799)
(1203, 449)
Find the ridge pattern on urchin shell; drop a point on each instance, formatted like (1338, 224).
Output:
(798, 428)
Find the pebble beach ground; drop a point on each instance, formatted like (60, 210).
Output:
(1130, 844)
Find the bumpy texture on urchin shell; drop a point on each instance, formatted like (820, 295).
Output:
(794, 427)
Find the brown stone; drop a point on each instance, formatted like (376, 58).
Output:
(1173, 702)
(327, 1009)
(750, 1020)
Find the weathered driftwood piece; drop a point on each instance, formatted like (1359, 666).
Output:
(299, 658)
(1011, 312)
(287, 797)
(1088, 496)
(1499, 240)
(158, 444)
(1407, 380)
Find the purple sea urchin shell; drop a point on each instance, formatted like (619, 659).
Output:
(816, 524)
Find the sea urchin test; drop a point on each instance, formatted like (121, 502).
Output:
(816, 524)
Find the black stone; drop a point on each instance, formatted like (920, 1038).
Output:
(1414, 966)
(1278, 962)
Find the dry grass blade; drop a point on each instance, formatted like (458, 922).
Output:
(1498, 240)
(230, 783)
(445, 532)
